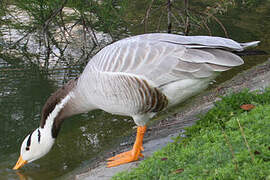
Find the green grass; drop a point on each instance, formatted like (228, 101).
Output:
(215, 147)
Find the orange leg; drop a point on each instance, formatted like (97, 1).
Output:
(132, 155)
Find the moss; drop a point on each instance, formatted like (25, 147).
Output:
(216, 147)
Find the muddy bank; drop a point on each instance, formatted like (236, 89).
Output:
(161, 132)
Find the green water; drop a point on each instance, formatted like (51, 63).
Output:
(25, 88)
(23, 92)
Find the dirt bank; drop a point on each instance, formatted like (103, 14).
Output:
(161, 132)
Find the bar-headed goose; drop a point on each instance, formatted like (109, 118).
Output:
(138, 77)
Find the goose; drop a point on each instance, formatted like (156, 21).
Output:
(137, 76)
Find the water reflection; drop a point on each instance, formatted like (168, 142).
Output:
(22, 176)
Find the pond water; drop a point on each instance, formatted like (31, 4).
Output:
(25, 88)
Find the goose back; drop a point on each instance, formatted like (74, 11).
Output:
(175, 66)
(165, 58)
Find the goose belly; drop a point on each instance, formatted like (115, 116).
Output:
(179, 91)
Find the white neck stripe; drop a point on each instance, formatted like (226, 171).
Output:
(51, 117)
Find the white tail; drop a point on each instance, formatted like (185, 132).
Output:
(249, 44)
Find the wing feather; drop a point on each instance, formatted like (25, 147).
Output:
(225, 58)
(165, 58)
(199, 41)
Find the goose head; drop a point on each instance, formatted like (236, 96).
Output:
(38, 143)
(35, 145)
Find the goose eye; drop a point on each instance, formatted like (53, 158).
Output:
(27, 148)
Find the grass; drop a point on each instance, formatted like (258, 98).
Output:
(226, 143)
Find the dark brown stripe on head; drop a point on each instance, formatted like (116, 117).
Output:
(28, 143)
(39, 135)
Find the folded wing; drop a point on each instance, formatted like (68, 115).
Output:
(165, 58)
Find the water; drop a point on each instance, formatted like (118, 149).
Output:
(25, 88)
(23, 92)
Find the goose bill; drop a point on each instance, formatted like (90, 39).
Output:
(20, 163)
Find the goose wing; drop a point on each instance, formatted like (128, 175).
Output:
(165, 58)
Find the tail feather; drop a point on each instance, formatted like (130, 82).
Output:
(249, 44)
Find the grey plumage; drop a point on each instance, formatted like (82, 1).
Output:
(138, 77)
(141, 75)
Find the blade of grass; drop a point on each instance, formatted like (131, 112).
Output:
(246, 142)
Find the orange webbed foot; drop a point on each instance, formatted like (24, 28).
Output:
(123, 158)
(132, 155)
